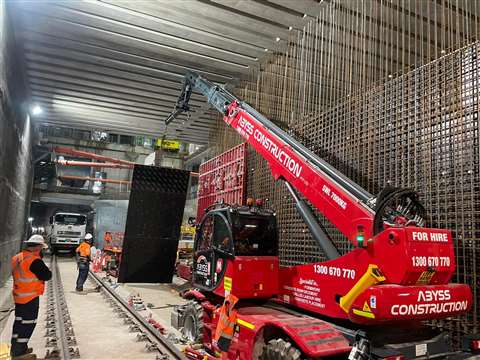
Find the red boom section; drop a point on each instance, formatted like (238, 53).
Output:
(345, 212)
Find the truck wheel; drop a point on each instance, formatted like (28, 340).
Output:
(193, 322)
(279, 349)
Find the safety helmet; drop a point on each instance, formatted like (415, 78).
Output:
(37, 240)
(88, 237)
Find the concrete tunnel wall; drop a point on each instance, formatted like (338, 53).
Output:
(16, 134)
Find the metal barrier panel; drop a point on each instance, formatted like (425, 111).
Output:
(222, 179)
(155, 212)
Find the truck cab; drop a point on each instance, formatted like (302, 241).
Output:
(67, 231)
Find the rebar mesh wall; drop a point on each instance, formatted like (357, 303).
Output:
(338, 87)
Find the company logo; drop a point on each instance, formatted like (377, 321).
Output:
(203, 266)
(247, 129)
(434, 295)
(429, 309)
(430, 304)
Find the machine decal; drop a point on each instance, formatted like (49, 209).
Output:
(227, 283)
(430, 236)
(443, 261)
(307, 292)
(428, 309)
(334, 197)
(219, 267)
(203, 266)
(434, 295)
(334, 271)
(246, 128)
(365, 312)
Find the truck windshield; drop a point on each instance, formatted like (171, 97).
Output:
(65, 219)
(254, 236)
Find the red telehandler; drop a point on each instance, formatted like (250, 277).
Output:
(369, 303)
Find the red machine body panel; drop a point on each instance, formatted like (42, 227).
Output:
(406, 256)
(222, 178)
(393, 303)
(255, 277)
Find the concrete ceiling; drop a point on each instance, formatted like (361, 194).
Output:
(118, 64)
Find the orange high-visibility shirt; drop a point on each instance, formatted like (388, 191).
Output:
(26, 285)
(83, 249)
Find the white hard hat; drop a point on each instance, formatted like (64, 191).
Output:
(37, 240)
(88, 236)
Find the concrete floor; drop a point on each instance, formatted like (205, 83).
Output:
(99, 332)
(162, 296)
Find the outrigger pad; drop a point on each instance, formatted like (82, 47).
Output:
(155, 212)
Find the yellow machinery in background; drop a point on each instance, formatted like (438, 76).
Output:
(167, 145)
(185, 251)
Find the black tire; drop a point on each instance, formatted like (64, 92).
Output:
(280, 349)
(193, 322)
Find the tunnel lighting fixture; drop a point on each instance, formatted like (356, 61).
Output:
(36, 110)
(266, 49)
(304, 16)
(30, 219)
(277, 39)
(290, 28)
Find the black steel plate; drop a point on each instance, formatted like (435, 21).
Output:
(155, 212)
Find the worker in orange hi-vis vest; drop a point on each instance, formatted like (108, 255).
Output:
(29, 274)
(83, 253)
(226, 325)
(107, 240)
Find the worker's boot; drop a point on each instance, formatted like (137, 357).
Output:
(25, 357)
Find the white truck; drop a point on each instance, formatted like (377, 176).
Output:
(67, 230)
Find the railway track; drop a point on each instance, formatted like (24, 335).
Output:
(60, 339)
(154, 341)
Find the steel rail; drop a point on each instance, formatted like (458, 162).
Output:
(172, 351)
(57, 283)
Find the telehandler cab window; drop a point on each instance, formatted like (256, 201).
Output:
(222, 238)
(205, 241)
(254, 236)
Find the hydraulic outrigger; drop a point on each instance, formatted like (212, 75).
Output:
(397, 273)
